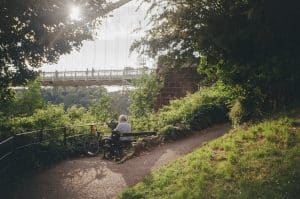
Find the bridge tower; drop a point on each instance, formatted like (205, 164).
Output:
(177, 84)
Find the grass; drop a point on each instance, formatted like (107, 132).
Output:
(261, 161)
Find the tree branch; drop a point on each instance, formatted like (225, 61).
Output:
(116, 5)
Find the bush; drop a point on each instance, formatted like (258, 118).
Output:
(48, 126)
(236, 113)
(195, 112)
(144, 96)
(207, 115)
(170, 132)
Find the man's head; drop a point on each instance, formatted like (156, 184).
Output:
(122, 118)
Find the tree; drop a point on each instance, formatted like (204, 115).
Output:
(120, 102)
(101, 109)
(31, 99)
(251, 45)
(144, 96)
(26, 100)
(36, 32)
(70, 96)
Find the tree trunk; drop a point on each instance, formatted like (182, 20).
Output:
(116, 5)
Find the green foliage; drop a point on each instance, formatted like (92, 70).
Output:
(120, 102)
(52, 116)
(31, 99)
(25, 101)
(260, 162)
(35, 32)
(252, 46)
(70, 96)
(236, 113)
(101, 109)
(47, 125)
(28, 111)
(76, 119)
(143, 97)
(247, 106)
(196, 111)
(174, 132)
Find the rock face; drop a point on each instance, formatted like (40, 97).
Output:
(177, 83)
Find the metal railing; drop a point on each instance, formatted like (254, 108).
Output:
(95, 75)
(16, 145)
(15, 149)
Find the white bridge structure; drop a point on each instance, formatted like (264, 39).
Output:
(93, 77)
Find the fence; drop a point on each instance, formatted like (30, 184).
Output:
(30, 149)
(16, 149)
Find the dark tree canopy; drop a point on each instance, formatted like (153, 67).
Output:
(253, 44)
(33, 32)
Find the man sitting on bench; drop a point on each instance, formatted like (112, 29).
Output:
(123, 127)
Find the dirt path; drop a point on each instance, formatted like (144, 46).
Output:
(97, 178)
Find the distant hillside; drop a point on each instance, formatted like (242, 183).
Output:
(261, 161)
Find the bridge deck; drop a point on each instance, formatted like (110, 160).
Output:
(93, 77)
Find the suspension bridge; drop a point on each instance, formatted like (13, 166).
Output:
(110, 49)
(93, 77)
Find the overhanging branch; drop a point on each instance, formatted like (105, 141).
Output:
(116, 5)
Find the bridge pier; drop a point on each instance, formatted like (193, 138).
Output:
(177, 84)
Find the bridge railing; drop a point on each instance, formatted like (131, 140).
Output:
(94, 75)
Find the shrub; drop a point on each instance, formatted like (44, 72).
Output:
(144, 96)
(236, 113)
(207, 115)
(170, 132)
(195, 111)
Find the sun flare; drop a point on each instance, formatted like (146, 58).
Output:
(75, 13)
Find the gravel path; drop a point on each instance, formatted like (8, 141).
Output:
(97, 178)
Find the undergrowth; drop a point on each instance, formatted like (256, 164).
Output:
(193, 112)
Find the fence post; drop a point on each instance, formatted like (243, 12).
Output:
(65, 136)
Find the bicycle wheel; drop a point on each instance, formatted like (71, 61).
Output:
(91, 146)
(107, 155)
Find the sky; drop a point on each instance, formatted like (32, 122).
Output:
(110, 49)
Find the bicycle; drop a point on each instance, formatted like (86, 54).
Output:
(93, 142)
(114, 146)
